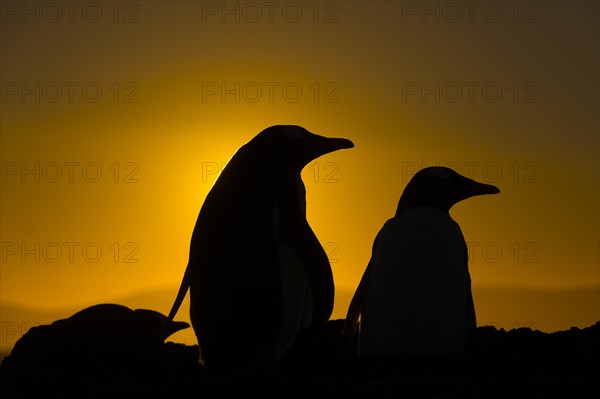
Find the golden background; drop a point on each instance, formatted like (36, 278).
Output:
(117, 116)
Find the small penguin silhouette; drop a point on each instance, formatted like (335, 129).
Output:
(257, 273)
(415, 295)
(101, 337)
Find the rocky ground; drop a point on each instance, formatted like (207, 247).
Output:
(519, 363)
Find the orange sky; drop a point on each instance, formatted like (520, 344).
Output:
(156, 96)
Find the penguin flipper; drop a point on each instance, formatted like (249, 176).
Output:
(354, 311)
(297, 233)
(320, 276)
(351, 322)
(471, 317)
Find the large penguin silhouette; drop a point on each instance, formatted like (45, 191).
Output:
(415, 295)
(256, 272)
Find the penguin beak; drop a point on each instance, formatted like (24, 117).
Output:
(172, 327)
(487, 189)
(325, 145)
(471, 188)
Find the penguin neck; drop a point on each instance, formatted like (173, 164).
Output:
(291, 190)
(403, 209)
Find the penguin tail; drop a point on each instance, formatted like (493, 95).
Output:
(183, 289)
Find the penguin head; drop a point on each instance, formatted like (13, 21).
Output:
(157, 325)
(289, 148)
(441, 188)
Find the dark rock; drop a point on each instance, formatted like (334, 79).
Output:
(519, 363)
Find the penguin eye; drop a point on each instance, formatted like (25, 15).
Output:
(294, 133)
(441, 175)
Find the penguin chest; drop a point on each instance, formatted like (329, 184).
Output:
(416, 299)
